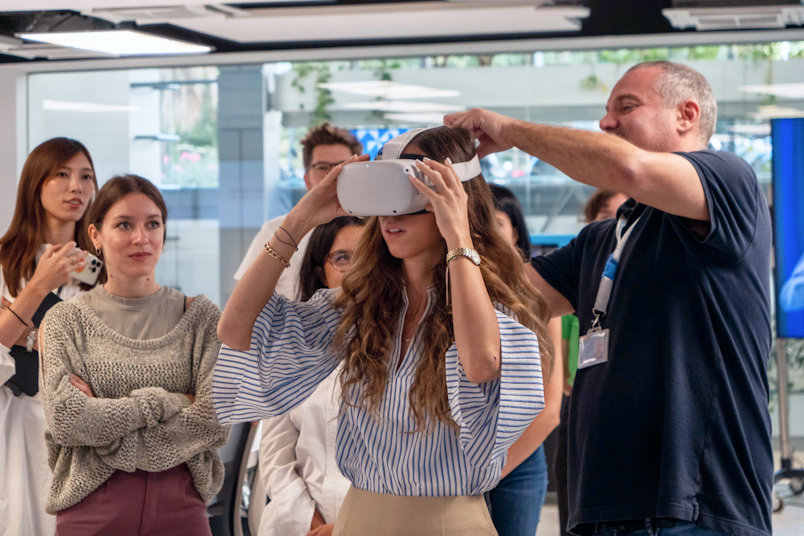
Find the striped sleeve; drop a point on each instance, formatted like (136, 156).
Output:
(289, 356)
(493, 415)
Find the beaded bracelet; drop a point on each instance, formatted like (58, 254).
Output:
(276, 255)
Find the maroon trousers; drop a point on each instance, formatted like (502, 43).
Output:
(139, 504)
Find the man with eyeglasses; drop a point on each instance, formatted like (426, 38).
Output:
(323, 148)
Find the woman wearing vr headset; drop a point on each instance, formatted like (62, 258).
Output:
(436, 329)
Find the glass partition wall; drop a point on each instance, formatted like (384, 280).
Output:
(222, 141)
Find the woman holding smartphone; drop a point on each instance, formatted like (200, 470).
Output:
(37, 256)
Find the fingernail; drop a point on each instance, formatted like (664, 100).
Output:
(428, 158)
(449, 160)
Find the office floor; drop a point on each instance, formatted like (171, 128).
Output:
(789, 522)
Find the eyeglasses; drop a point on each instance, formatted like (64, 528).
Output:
(340, 259)
(324, 167)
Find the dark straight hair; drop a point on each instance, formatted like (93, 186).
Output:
(20, 244)
(506, 201)
(311, 275)
(115, 190)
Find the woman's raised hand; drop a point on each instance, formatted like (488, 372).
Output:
(448, 200)
(53, 269)
(320, 205)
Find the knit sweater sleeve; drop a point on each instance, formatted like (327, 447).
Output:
(192, 431)
(75, 419)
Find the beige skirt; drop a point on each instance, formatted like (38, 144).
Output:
(364, 513)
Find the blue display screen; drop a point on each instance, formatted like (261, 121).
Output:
(788, 212)
(374, 138)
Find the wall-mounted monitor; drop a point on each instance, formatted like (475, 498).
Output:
(788, 212)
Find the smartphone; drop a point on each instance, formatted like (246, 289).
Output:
(88, 274)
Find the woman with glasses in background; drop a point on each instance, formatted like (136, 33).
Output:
(322, 148)
(297, 450)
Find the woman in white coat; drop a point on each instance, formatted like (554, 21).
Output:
(297, 450)
(37, 256)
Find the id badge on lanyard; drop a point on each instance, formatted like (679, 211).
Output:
(593, 348)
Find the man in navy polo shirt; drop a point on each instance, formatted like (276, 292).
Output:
(669, 427)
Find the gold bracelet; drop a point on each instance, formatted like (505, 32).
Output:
(276, 255)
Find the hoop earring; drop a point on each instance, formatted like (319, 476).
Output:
(99, 251)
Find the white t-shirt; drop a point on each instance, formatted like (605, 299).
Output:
(297, 450)
(298, 466)
(288, 284)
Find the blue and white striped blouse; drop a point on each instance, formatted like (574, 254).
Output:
(290, 355)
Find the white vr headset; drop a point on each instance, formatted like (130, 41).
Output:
(382, 187)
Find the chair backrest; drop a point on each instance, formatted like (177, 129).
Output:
(225, 516)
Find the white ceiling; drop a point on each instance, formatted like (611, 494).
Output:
(87, 5)
(388, 21)
(331, 22)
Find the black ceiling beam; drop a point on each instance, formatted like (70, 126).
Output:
(626, 17)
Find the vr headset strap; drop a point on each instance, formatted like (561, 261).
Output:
(468, 170)
(393, 147)
(392, 150)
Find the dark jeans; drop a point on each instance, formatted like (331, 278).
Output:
(560, 468)
(682, 528)
(516, 503)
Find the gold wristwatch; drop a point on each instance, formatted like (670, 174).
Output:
(471, 254)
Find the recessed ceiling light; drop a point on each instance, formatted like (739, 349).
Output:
(92, 107)
(403, 106)
(776, 112)
(790, 91)
(117, 42)
(763, 129)
(424, 118)
(390, 90)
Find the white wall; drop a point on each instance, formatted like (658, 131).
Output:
(12, 141)
(105, 134)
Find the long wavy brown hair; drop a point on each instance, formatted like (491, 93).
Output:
(20, 244)
(372, 298)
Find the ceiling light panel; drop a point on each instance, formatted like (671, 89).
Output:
(391, 21)
(117, 42)
(426, 119)
(89, 5)
(86, 107)
(389, 90)
(788, 91)
(402, 106)
(776, 112)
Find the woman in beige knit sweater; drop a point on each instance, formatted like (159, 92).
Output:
(126, 377)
